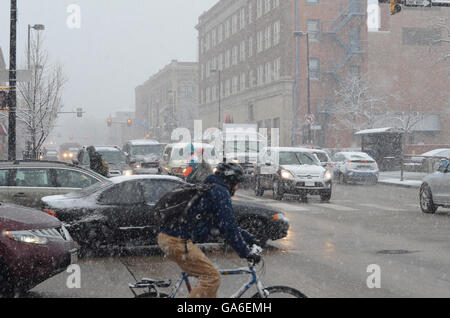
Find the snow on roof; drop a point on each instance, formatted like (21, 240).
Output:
(121, 179)
(141, 142)
(379, 131)
(291, 149)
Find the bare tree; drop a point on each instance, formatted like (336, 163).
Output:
(354, 106)
(41, 99)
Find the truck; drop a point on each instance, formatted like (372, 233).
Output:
(242, 145)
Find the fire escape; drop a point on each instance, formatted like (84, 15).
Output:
(344, 30)
(336, 30)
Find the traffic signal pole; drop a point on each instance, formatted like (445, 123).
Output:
(12, 102)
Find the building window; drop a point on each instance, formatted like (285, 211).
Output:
(234, 22)
(421, 36)
(242, 19)
(250, 13)
(312, 1)
(259, 8)
(268, 38)
(250, 47)
(259, 41)
(276, 123)
(276, 33)
(242, 51)
(355, 39)
(268, 72)
(276, 69)
(314, 69)
(220, 33)
(267, 6)
(227, 29)
(235, 55)
(242, 82)
(313, 27)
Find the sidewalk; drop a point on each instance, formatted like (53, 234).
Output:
(410, 179)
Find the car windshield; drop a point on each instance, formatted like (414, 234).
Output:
(142, 150)
(298, 158)
(322, 157)
(113, 157)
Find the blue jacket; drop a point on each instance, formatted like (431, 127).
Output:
(216, 202)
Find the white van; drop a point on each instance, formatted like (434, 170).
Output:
(176, 157)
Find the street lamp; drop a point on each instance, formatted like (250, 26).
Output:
(219, 72)
(300, 34)
(36, 27)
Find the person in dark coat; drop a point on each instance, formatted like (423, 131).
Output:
(178, 243)
(96, 162)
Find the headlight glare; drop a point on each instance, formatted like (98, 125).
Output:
(285, 174)
(328, 176)
(26, 237)
(127, 173)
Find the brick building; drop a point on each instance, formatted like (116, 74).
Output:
(407, 67)
(253, 69)
(167, 100)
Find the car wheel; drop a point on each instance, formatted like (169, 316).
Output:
(6, 288)
(325, 196)
(255, 226)
(277, 191)
(426, 200)
(258, 191)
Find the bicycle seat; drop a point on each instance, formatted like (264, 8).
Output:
(157, 283)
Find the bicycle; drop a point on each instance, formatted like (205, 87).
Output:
(152, 285)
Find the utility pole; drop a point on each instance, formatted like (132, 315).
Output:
(12, 102)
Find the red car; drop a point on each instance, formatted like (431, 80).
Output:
(34, 246)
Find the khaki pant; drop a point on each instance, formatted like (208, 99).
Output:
(194, 263)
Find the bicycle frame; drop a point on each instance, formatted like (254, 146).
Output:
(240, 271)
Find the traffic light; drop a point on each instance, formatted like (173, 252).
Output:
(109, 122)
(129, 122)
(395, 6)
(79, 112)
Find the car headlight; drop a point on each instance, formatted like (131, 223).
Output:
(327, 176)
(280, 217)
(285, 174)
(235, 160)
(26, 237)
(127, 172)
(214, 170)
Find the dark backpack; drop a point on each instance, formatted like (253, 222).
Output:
(172, 209)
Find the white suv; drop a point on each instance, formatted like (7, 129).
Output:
(292, 171)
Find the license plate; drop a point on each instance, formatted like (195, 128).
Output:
(73, 256)
(309, 184)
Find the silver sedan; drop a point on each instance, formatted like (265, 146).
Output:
(435, 189)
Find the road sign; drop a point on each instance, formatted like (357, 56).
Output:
(310, 119)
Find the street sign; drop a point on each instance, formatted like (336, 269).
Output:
(23, 76)
(310, 119)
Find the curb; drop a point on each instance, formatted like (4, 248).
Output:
(409, 186)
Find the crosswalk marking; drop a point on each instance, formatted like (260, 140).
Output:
(333, 207)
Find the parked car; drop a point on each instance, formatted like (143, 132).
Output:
(428, 161)
(176, 157)
(355, 167)
(292, 171)
(324, 158)
(50, 155)
(111, 154)
(33, 247)
(26, 182)
(144, 155)
(118, 211)
(435, 189)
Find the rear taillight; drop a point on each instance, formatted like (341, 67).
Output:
(49, 212)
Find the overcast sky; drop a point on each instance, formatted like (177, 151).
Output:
(120, 44)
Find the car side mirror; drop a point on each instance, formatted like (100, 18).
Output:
(75, 162)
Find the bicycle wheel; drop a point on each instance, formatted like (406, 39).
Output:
(282, 292)
(152, 295)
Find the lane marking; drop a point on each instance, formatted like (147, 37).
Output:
(380, 207)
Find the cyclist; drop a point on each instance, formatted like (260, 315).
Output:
(178, 244)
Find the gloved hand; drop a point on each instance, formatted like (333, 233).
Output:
(254, 258)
